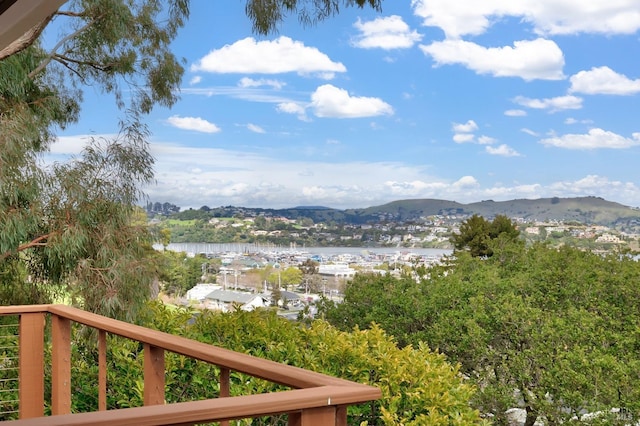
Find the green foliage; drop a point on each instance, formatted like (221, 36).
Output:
(552, 331)
(71, 226)
(266, 15)
(394, 304)
(419, 387)
(9, 380)
(165, 237)
(179, 272)
(121, 46)
(291, 276)
(477, 234)
(191, 214)
(309, 267)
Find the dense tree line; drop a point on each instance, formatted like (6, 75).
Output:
(552, 331)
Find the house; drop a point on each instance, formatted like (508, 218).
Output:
(227, 300)
(291, 298)
(608, 238)
(200, 291)
(336, 270)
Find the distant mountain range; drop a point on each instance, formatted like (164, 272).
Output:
(587, 210)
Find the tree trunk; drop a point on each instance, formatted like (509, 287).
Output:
(155, 288)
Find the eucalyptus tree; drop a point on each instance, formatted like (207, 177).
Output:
(70, 226)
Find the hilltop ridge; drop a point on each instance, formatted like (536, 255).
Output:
(593, 210)
(588, 210)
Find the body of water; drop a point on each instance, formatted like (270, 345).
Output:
(213, 248)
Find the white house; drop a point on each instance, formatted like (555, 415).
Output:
(608, 238)
(200, 291)
(338, 270)
(227, 300)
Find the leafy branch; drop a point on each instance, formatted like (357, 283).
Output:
(36, 242)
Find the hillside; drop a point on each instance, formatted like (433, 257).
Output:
(587, 210)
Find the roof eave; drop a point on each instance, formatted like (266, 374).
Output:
(21, 16)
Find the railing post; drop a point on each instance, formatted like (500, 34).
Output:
(153, 375)
(323, 416)
(60, 365)
(225, 388)
(341, 415)
(102, 370)
(31, 376)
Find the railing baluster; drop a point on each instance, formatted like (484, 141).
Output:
(102, 370)
(323, 416)
(341, 415)
(225, 388)
(31, 385)
(61, 365)
(153, 375)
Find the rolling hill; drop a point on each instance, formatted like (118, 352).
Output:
(589, 210)
(586, 210)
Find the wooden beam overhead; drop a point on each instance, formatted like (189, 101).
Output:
(19, 16)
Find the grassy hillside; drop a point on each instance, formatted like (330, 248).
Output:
(412, 209)
(586, 210)
(590, 210)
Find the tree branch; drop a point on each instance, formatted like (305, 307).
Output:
(72, 14)
(52, 53)
(36, 242)
(64, 59)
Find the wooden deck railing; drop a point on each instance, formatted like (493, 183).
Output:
(314, 398)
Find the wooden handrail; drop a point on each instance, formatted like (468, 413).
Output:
(316, 399)
(257, 367)
(212, 410)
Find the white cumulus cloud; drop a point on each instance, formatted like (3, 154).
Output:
(332, 102)
(188, 175)
(387, 33)
(502, 150)
(595, 139)
(470, 17)
(193, 123)
(515, 113)
(468, 127)
(250, 82)
(556, 104)
(486, 140)
(466, 182)
(463, 137)
(600, 185)
(255, 128)
(538, 59)
(282, 55)
(293, 108)
(603, 81)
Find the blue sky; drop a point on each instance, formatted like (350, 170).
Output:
(450, 99)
